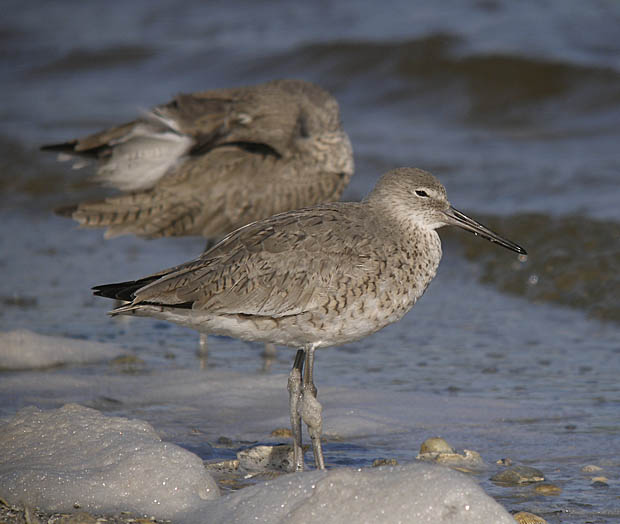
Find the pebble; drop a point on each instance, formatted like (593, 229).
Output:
(18, 514)
(129, 364)
(525, 517)
(547, 489)
(518, 475)
(384, 462)
(436, 449)
(435, 445)
(79, 518)
(600, 482)
(282, 433)
(223, 466)
(126, 360)
(591, 468)
(30, 516)
(225, 441)
(265, 458)
(229, 476)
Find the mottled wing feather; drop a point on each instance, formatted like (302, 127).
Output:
(237, 187)
(150, 214)
(208, 196)
(135, 155)
(102, 138)
(243, 274)
(202, 115)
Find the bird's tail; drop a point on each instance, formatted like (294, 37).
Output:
(147, 214)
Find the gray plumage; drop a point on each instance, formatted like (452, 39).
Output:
(210, 162)
(313, 277)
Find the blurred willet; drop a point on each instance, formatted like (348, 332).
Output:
(311, 278)
(210, 162)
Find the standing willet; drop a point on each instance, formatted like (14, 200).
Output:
(311, 278)
(208, 163)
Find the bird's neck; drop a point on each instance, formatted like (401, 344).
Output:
(331, 150)
(411, 235)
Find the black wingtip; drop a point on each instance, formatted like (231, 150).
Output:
(118, 291)
(122, 290)
(65, 147)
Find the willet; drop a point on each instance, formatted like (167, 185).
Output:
(311, 278)
(210, 162)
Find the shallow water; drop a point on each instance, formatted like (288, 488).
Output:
(514, 106)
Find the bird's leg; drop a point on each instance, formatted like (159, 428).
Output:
(294, 396)
(269, 355)
(311, 409)
(270, 350)
(203, 350)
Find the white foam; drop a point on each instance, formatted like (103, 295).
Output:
(23, 349)
(77, 456)
(54, 458)
(416, 493)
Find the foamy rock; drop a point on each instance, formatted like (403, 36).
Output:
(23, 349)
(77, 457)
(415, 493)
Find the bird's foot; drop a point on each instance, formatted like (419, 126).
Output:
(311, 413)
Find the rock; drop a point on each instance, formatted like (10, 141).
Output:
(437, 450)
(223, 466)
(435, 445)
(128, 364)
(263, 458)
(547, 489)
(79, 518)
(30, 516)
(468, 461)
(524, 517)
(282, 433)
(518, 475)
(224, 441)
(591, 468)
(384, 462)
(600, 482)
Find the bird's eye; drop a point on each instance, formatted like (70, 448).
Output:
(421, 193)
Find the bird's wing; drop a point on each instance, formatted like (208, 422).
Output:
(269, 119)
(136, 155)
(198, 199)
(211, 195)
(148, 214)
(284, 265)
(132, 156)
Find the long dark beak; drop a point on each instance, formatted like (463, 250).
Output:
(459, 219)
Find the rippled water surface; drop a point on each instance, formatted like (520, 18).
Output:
(515, 106)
